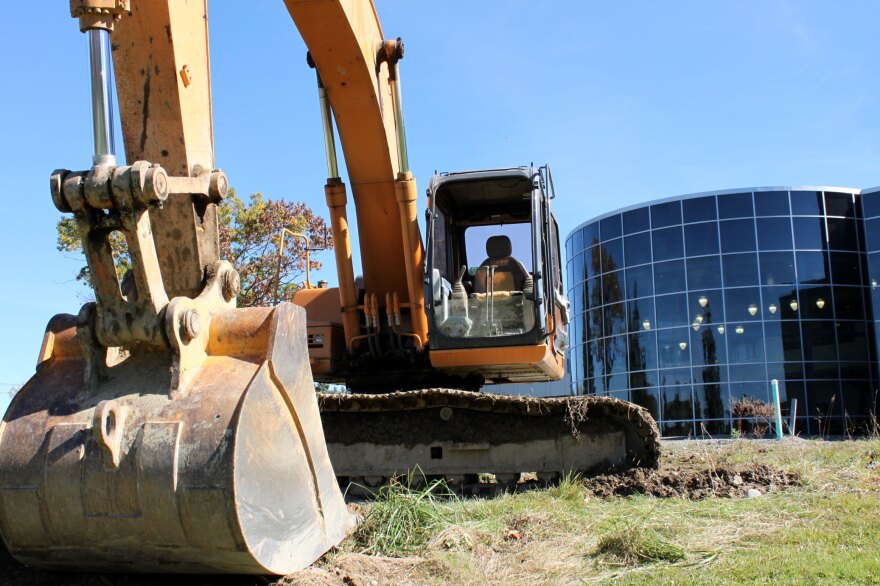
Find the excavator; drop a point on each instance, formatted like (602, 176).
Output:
(167, 430)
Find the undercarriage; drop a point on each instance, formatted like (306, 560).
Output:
(460, 435)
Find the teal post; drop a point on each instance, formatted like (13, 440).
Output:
(774, 388)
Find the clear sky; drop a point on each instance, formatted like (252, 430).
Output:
(627, 101)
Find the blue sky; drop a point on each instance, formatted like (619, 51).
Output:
(627, 101)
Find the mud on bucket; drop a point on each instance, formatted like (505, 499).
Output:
(225, 472)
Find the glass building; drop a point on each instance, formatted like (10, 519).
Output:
(689, 306)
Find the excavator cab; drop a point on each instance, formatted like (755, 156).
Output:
(493, 275)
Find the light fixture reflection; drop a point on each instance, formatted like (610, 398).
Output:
(646, 324)
(772, 308)
(721, 330)
(703, 301)
(739, 329)
(873, 282)
(793, 305)
(753, 309)
(696, 326)
(682, 345)
(698, 319)
(820, 303)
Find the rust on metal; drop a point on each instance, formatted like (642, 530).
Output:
(128, 199)
(224, 471)
(169, 122)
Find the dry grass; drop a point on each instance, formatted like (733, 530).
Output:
(752, 416)
(353, 569)
(635, 544)
(402, 518)
(826, 530)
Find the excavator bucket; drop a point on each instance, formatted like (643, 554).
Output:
(227, 472)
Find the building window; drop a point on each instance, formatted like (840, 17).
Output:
(735, 205)
(771, 203)
(666, 214)
(688, 306)
(702, 239)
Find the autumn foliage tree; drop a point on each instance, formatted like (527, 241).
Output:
(249, 238)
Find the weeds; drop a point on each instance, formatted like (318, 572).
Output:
(759, 414)
(575, 414)
(570, 488)
(558, 535)
(873, 424)
(638, 544)
(403, 519)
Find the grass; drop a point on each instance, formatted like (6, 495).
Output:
(636, 543)
(402, 518)
(827, 530)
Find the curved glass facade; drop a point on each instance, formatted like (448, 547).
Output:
(689, 305)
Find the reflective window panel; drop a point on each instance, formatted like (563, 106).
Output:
(771, 203)
(666, 214)
(806, 203)
(636, 220)
(699, 209)
(774, 233)
(737, 235)
(610, 227)
(668, 244)
(690, 307)
(701, 239)
(735, 205)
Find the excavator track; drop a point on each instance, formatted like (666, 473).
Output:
(458, 435)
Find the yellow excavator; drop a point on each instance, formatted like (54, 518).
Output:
(166, 430)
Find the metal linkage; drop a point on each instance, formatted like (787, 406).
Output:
(105, 199)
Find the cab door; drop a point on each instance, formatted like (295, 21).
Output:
(557, 308)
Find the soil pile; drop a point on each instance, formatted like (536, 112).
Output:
(692, 483)
(352, 570)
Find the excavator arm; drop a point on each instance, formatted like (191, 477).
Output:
(163, 80)
(359, 73)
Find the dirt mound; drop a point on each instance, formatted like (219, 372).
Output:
(351, 570)
(691, 483)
